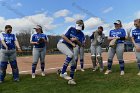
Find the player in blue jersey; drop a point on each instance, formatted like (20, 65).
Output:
(8, 53)
(79, 50)
(135, 36)
(117, 37)
(39, 41)
(69, 40)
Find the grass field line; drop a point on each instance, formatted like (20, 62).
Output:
(29, 71)
(55, 68)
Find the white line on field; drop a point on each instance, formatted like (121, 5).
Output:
(27, 71)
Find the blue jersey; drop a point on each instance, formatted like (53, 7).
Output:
(136, 34)
(118, 33)
(73, 33)
(81, 37)
(9, 40)
(36, 37)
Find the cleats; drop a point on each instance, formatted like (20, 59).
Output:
(71, 82)
(107, 72)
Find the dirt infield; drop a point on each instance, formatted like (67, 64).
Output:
(54, 62)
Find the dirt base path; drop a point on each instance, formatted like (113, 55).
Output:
(54, 62)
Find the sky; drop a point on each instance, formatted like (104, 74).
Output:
(55, 16)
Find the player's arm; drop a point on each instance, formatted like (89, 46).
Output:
(124, 36)
(78, 42)
(46, 40)
(17, 44)
(32, 42)
(67, 40)
(133, 41)
(135, 45)
(3, 42)
(67, 34)
(111, 38)
(132, 38)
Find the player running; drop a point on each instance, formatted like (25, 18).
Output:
(135, 36)
(97, 38)
(117, 37)
(8, 53)
(69, 40)
(39, 41)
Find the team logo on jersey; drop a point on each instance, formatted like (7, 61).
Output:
(8, 40)
(115, 34)
(73, 36)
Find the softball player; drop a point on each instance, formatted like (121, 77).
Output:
(39, 41)
(117, 37)
(135, 36)
(80, 50)
(97, 38)
(8, 53)
(70, 39)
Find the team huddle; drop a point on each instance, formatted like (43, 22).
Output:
(71, 44)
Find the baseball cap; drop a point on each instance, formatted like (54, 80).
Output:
(38, 27)
(117, 22)
(80, 25)
(80, 22)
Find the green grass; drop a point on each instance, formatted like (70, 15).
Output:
(87, 82)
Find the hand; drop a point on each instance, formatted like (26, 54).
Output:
(117, 37)
(36, 43)
(6, 48)
(19, 49)
(73, 45)
(113, 43)
(74, 39)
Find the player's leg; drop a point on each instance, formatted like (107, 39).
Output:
(99, 57)
(72, 70)
(3, 67)
(3, 64)
(82, 58)
(15, 70)
(36, 55)
(93, 57)
(138, 61)
(69, 53)
(111, 53)
(42, 60)
(14, 66)
(119, 53)
(76, 52)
